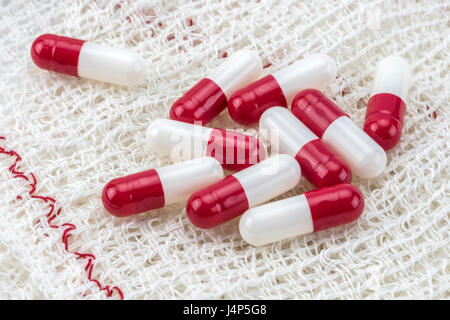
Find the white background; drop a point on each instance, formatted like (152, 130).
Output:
(76, 134)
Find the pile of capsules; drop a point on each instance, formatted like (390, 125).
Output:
(316, 139)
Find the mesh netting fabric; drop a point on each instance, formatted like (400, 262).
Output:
(77, 134)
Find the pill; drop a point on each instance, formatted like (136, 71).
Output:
(155, 188)
(323, 117)
(312, 211)
(319, 163)
(209, 97)
(233, 195)
(278, 89)
(181, 140)
(386, 107)
(84, 59)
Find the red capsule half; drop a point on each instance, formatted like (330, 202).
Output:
(133, 194)
(202, 103)
(248, 104)
(57, 53)
(321, 166)
(315, 110)
(335, 205)
(384, 119)
(235, 151)
(217, 204)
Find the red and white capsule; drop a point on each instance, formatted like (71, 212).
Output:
(386, 108)
(278, 89)
(319, 164)
(155, 188)
(323, 117)
(209, 97)
(84, 59)
(313, 211)
(233, 195)
(181, 140)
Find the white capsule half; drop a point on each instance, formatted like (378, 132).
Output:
(108, 64)
(364, 156)
(241, 68)
(177, 139)
(393, 76)
(276, 221)
(181, 179)
(314, 71)
(281, 126)
(269, 178)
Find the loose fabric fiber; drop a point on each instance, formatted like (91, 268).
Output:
(64, 138)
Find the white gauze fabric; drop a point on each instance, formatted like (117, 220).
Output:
(75, 135)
